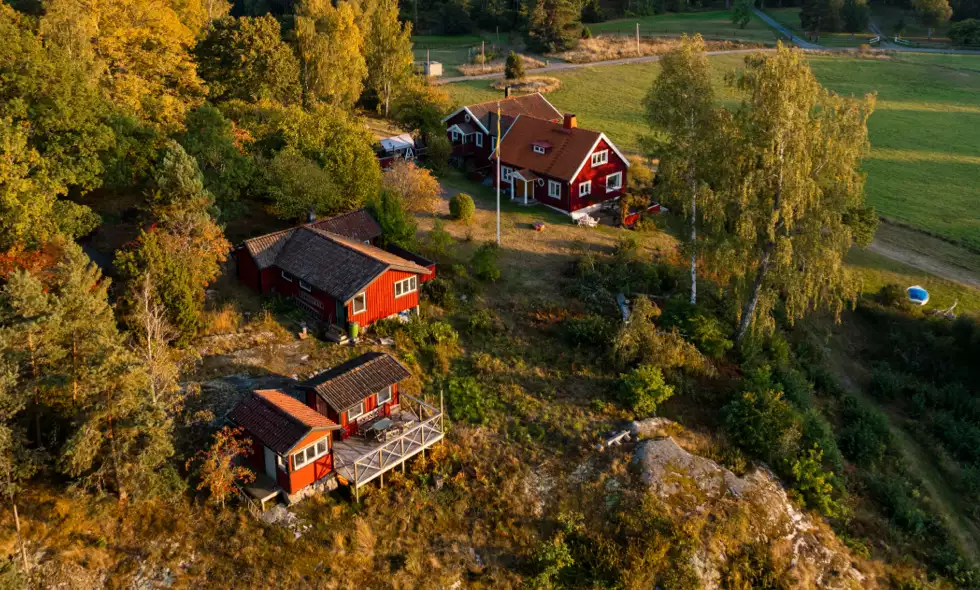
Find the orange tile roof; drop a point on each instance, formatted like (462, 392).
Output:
(569, 147)
(278, 420)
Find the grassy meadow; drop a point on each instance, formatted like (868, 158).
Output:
(714, 24)
(922, 169)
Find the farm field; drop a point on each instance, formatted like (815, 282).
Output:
(925, 145)
(715, 24)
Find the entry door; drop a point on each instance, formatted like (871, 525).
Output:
(270, 463)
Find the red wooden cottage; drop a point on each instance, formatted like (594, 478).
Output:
(560, 165)
(473, 128)
(338, 278)
(292, 442)
(358, 391)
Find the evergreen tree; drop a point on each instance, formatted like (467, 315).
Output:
(856, 15)
(397, 224)
(389, 53)
(210, 138)
(742, 13)
(553, 26)
(514, 68)
(680, 106)
(246, 58)
(817, 16)
(795, 176)
(331, 51)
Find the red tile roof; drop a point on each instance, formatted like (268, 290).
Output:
(277, 420)
(569, 147)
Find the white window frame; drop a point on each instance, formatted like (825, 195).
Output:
(360, 412)
(307, 458)
(479, 140)
(406, 286)
(285, 276)
(353, 303)
(554, 189)
(305, 286)
(619, 182)
(455, 136)
(539, 149)
(386, 390)
(506, 174)
(493, 143)
(585, 188)
(281, 463)
(599, 158)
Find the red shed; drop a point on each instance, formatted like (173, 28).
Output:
(292, 442)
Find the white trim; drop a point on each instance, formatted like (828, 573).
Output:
(283, 274)
(353, 303)
(585, 188)
(619, 180)
(405, 290)
(507, 174)
(479, 140)
(538, 149)
(305, 286)
(493, 143)
(475, 120)
(554, 184)
(307, 458)
(387, 390)
(604, 157)
(602, 136)
(360, 413)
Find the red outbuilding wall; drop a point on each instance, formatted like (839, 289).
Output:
(381, 301)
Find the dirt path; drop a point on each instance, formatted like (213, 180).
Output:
(920, 463)
(928, 254)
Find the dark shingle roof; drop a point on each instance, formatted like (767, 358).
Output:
(340, 267)
(530, 105)
(357, 379)
(357, 225)
(278, 420)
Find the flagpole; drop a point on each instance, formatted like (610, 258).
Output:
(498, 173)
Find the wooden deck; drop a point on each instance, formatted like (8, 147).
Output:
(360, 460)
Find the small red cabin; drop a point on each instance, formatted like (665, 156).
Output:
(292, 443)
(360, 390)
(333, 270)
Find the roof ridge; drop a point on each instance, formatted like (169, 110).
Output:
(275, 407)
(366, 363)
(340, 241)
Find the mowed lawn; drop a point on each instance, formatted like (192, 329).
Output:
(714, 24)
(924, 167)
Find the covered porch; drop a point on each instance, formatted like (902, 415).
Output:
(522, 186)
(416, 426)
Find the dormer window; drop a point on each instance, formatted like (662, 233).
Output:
(599, 158)
(538, 149)
(541, 147)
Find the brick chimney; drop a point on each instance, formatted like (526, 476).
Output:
(506, 91)
(569, 122)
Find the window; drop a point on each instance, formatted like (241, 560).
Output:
(406, 286)
(599, 158)
(305, 286)
(359, 303)
(384, 396)
(479, 140)
(310, 453)
(355, 411)
(585, 188)
(506, 174)
(538, 149)
(455, 136)
(285, 276)
(614, 182)
(493, 143)
(280, 462)
(554, 189)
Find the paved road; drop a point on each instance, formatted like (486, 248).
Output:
(802, 43)
(573, 66)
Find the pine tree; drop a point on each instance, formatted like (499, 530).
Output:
(680, 106)
(389, 53)
(795, 177)
(331, 50)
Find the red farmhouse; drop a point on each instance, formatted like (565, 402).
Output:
(357, 391)
(473, 129)
(291, 442)
(560, 165)
(333, 271)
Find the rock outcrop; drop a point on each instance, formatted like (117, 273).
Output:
(697, 486)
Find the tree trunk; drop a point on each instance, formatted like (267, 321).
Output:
(694, 247)
(748, 310)
(20, 538)
(929, 33)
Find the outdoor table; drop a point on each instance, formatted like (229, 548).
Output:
(380, 427)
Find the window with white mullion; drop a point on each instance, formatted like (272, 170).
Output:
(599, 158)
(311, 453)
(614, 182)
(554, 189)
(384, 396)
(585, 188)
(406, 286)
(358, 304)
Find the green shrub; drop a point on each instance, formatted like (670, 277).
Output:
(763, 423)
(892, 295)
(643, 389)
(461, 207)
(586, 33)
(886, 384)
(709, 335)
(482, 321)
(864, 436)
(817, 432)
(438, 243)
(591, 330)
(812, 483)
(965, 33)
(468, 400)
(484, 262)
(441, 292)
(514, 67)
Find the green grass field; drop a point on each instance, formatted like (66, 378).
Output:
(790, 18)
(715, 24)
(886, 18)
(923, 167)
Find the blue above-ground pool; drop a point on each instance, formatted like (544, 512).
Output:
(917, 295)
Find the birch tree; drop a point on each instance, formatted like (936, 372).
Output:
(389, 53)
(680, 108)
(331, 51)
(797, 180)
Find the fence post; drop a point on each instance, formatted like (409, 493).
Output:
(637, 39)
